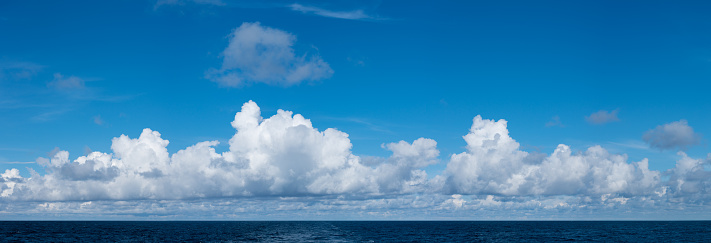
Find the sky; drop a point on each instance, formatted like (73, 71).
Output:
(355, 110)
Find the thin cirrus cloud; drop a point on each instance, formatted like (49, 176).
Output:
(675, 135)
(160, 3)
(354, 10)
(290, 166)
(14, 70)
(352, 15)
(260, 54)
(602, 117)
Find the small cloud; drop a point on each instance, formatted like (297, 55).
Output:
(98, 120)
(66, 83)
(602, 117)
(259, 54)
(673, 135)
(352, 15)
(555, 121)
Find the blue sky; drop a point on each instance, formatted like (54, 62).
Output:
(630, 77)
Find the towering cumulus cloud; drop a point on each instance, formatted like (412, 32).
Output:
(493, 164)
(279, 156)
(287, 165)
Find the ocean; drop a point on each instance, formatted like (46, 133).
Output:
(356, 231)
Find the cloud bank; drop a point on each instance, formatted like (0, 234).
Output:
(259, 54)
(282, 165)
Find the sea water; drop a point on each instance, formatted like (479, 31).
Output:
(356, 231)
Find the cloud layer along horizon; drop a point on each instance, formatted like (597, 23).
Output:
(289, 166)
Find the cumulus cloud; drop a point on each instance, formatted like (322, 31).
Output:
(602, 117)
(672, 135)
(260, 54)
(283, 155)
(493, 164)
(282, 165)
(689, 180)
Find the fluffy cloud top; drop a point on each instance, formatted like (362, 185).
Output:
(602, 117)
(286, 164)
(278, 156)
(259, 54)
(493, 164)
(672, 135)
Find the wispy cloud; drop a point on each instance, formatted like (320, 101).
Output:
(19, 162)
(18, 70)
(368, 124)
(160, 3)
(23, 86)
(51, 114)
(63, 83)
(353, 14)
(98, 121)
(634, 144)
(348, 10)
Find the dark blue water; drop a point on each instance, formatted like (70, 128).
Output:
(357, 231)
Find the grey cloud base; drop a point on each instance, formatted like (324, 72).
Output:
(290, 166)
(672, 135)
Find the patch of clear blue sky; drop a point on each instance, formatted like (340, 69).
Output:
(424, 69)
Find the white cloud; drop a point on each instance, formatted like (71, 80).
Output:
(493, 164)
(259, 54)
(602, 117)
(352, 10)
(672, 135)
(354, 14)
(282, 155)
(689, 180)
(283, 166)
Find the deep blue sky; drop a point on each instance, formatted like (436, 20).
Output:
(401, 71)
